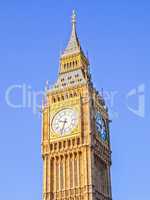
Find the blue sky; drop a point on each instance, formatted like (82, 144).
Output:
(116, 36)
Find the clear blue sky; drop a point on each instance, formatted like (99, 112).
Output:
(116, 35)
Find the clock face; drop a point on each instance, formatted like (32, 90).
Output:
(65, 121)
(101, 126)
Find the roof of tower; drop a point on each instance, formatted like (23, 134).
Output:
(73, 44)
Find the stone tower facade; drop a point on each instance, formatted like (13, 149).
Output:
(75, 132)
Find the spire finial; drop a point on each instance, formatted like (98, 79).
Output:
(73, 17)
(73, 44)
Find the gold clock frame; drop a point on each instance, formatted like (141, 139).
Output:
(74, 104)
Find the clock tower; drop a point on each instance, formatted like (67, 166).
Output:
(75, 132)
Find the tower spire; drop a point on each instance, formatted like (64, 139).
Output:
(73, 44)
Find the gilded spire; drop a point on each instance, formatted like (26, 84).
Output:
(73, 44)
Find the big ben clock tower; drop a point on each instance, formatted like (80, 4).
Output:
(75, 132)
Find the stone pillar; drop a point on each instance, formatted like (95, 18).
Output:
(64, 169)
(73, 169)
(45, 178)
(54, 176)
(69, 173)
(48, 178)
(78, 169)
(59, 169)
(109, 182)
(86, 173)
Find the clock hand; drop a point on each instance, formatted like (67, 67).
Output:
(64, 122)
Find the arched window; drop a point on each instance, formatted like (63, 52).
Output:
(52, 175)
(57, 175)
(64, 144)
(73, 63)
(75, 94)
(69, 143)
(51, 147)
(60, 145)
(61, 175)
(71, 171)
(76, 171)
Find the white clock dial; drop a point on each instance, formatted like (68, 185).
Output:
(65, 121)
